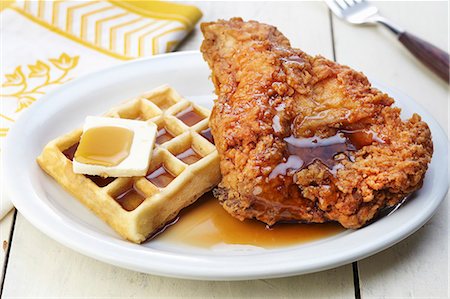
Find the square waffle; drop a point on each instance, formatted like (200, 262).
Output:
(184, 165)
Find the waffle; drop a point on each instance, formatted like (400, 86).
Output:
(184, 165)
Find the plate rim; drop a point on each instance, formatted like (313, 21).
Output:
(236, 274)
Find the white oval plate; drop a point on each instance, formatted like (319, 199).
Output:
(57, 214)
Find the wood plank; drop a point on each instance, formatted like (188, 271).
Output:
(418, 266)
(296, 20)
(6, 225)
(40, 266)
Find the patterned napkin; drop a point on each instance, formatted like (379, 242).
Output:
(47, 43)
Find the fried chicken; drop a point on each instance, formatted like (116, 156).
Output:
(302, 138)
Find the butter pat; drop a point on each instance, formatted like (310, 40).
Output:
(114, 147)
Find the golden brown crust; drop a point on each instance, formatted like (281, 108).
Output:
(268, 91)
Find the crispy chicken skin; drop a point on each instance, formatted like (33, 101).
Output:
(269, 93)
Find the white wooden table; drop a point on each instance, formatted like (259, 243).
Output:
(36, 266)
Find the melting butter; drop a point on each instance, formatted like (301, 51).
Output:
(105, 145)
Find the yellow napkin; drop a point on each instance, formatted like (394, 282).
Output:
(47, 43)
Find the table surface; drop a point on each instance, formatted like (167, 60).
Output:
(36, 266)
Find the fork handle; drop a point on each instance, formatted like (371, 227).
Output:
(434, 58)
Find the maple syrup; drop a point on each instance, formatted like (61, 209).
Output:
(206, 223)
(160, 177)
(208, 135)
(305, 151)
(130, 199)
(189, 156)
(163, 135)
(100, 181)
(189, 116)
(106, 146)
(70, 152)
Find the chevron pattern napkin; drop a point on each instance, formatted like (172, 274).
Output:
(47, 43)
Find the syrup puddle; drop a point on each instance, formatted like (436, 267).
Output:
(189, 116)
(208, 135)
(163, 135)
(189, 156)
(130, 199)
(206, 224)
(305, 151)
(160, 177)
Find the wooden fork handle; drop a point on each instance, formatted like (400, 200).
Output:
(434, 58)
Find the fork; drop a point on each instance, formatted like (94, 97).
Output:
(361, 12)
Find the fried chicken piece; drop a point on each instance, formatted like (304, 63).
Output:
(302, 138)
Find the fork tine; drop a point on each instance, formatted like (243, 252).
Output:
(353, 11)
(350, 3)
(341, 4)
(335, 8)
